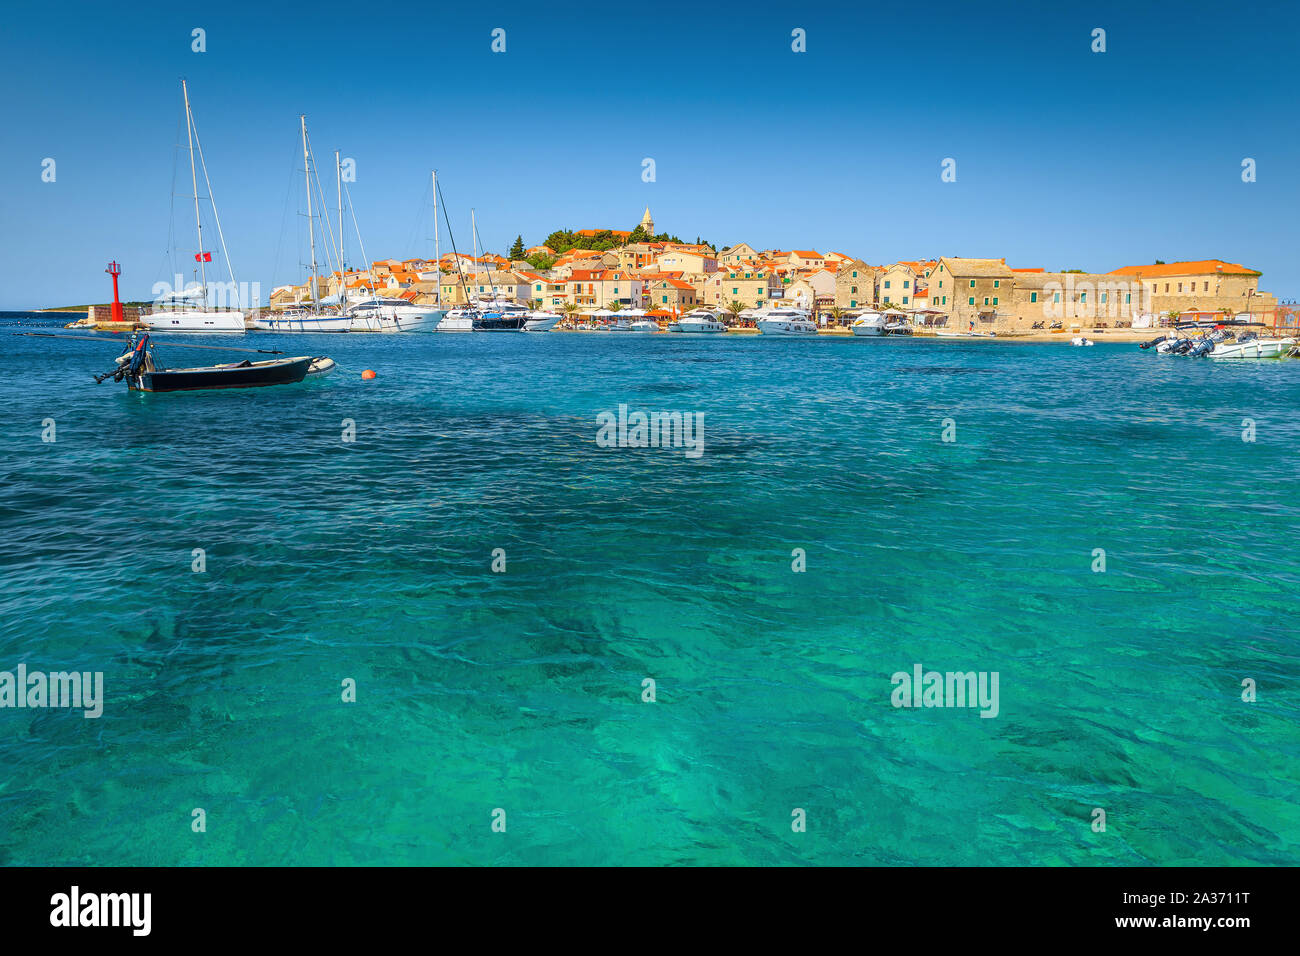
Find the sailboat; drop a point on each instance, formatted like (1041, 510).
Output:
(451, 321)
(313, 320)
(188, 310)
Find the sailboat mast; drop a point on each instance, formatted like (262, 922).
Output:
(338, 170)
(473, 229)
(311, 229)
(194, 179)
(437, 257)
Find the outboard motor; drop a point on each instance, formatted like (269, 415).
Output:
(129, 363)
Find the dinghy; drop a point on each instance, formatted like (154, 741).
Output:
(137, 367)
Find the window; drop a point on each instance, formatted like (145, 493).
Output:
(1128, 297)
(907, 284)
(1166, 286)
(940, 283)
(972, 300)
(665, 300)
(735, 292)
(945, 300)
(886, 283)
(1056, 297)
(855, 273)
(1180, 287)
(972, 283)
(1033, 297)
(1103, 296)
(986, 300)
(853, 303)
(904, 300)
(1083, 297)
(853, 289)
(995, 300)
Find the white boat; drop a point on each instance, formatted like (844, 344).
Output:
(301, 320)
(1252, 348)
(381, 314)
(539, 321)
(455, 321)
(188, 310)
(310, 319)
(697, 322)
(633, 320)
(1080, 340)
(869, 323)
(786, 321)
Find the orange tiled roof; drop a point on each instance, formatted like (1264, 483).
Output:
(1196, 268)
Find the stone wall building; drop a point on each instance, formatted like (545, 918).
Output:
(855, 285)
(1209, 285)
(970, 292)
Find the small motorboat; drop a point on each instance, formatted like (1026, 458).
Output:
(697, 322)
(138, 368)
(1152, 343)
(1081, 340)
(1252, 348)
(786, 321)
(869, 323)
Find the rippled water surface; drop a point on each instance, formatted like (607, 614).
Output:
(522, 690)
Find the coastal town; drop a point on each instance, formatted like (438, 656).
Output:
(668, 278)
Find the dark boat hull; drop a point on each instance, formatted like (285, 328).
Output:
(500, 323)
(252, 375)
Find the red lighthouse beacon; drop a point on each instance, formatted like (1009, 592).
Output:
(115, 270)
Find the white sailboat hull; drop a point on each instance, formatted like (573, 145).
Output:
(194, 320)
(455, 323)
(306, 323)
(400, 320)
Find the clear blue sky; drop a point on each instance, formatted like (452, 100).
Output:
(1065, 158)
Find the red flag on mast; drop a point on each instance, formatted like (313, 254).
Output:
(202, 257)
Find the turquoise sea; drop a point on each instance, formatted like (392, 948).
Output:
(522, 690)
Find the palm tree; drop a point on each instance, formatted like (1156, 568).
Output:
(535, 304)
(570, 309)
(733, 309)
(836, 314)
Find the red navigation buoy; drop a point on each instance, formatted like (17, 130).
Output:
(368, 373)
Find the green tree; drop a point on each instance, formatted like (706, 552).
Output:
(540, 261)
(517, 250)
(734, 308)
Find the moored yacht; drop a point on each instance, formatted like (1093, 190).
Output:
(698, 321)
(186, 312)
(786, 321)
(302, 320)
(869, 323)
(381, 314)
(633, 320)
